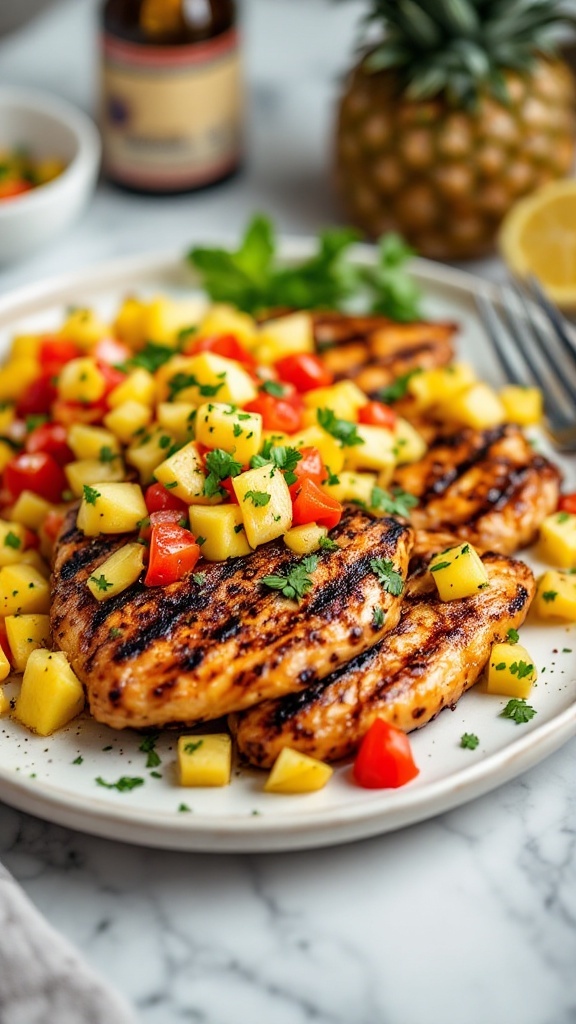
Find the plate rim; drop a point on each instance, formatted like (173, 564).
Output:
(286, 831)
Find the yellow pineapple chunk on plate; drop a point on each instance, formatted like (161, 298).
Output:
(51, 694)
(294, 772)
(458, 572)
(511, 671)
(557, 543)
(25, 634)
(205, 760)
(556, 596)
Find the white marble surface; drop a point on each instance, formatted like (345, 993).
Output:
(468, 918)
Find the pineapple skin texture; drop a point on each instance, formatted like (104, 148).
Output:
(444, 177)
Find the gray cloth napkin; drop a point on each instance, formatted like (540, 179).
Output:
(42, 979)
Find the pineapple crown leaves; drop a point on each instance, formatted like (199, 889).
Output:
(462, 47)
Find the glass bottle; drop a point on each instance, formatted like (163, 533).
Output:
(171, 98)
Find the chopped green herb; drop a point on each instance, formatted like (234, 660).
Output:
(397, 503)
(90, 495)
(193, 746)
(108, 454)
(469, 741)
(198, 578)
(549, 595)
(150, 358)
(518, 710)
(440, 565)
(170, 486)
(513, 635)
(220, 465)
(32, 421)
(274, 388)
(258, 498)
(327, 544)
(183, 809)
(187, 332)
(563, 517)
(500, 667)
(521, 669)
(332, 479)
(101, 582)
(398, 389)
(237, 430)
(297, 582)
(343, 430)
(378, 617)
(281, 457)
(239, 528)
(180, 381)
(12, 541)
(78, 760)
(390, 580)
(114, 633)
(148, 747)
(123, 785)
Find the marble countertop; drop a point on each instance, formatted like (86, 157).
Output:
(469, 917)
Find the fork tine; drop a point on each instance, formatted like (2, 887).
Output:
(495, 332)
(554, 316)
(547, 350)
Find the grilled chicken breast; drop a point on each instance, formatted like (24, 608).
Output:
(189, 652)
(436, 652)
(373, 350)
(487, 486)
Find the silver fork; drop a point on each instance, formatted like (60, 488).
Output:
(532, 342)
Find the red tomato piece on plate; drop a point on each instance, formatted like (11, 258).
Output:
(54, 353)
(283, 414)
(37, 472)
(309, 467)
(304, 371)
(384, 760)
(377, 415)
(173, 553)
(50, 438)
(567, 503)
(158, 499)
(38, 397)
(226, 345)
(313, 505)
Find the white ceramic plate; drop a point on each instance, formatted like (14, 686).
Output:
(55, 778)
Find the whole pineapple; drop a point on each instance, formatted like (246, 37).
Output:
(458, 110)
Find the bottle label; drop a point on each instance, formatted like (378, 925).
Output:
(171, 116)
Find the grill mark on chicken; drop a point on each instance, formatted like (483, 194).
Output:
(187, 653)
(487, 486)
(435, 653)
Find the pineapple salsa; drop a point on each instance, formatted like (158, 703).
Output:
(221, 434)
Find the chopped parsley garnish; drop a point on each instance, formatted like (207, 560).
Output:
(220, 466)
(327, 544)
(78, 760)
(258, 498)
(396, 503)
(180, 381)
(513, 635)
(563, 517)
(12, 541)
(123, 785)
(107, 454)
(343, 430)
(198, 578)
(187, 332)
(90, 495)
(378, 617)
(390, 580)
(101, 582)
(297, 582)
(397, 389)
(332, 479)
(469, 741)
(183, 809)
(549, 595)
(193, 746)
(439, 565)
(150, 358)
(114, 633)
(148, 747)
(521, 669)
(281, 457)
(237, 430)
(274, 388)
(518, 710)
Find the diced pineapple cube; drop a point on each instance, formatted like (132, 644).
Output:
(178, 418)
(12, 540)
(5, 666)
(128, 419)
(221, 529)
(25, 634)
(84, 327)
(522, 405)
(89, 442)
(224, 426)
(511, 671)
(316, 437)
(223, 319)
(33, 557)
(163, 318)
(4, 702)
(206, 375)
(265, 503)
(344, 399)
(205, 760)
(111, 508)
(294, 772)
(409, 445)
(557, 542)
(148, 452)
(80, 380)
(284, 336)
(90, 471)
(117, 573)
(183, 474)
(25, 346)
(432, 386)
(129, 323)
(556, 596)
(6, 453)
(15, 376)
(303, 540)
(478, 406)
(375, 452)
(139, 386)
(23, 589)
(458, 572)
(51, 693)
(30, 510)
(354, 487)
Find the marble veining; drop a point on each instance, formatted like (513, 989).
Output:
(466, 919)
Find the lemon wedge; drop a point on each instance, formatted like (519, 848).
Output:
(538, 236)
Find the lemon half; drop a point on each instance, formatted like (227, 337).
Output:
(538, 236)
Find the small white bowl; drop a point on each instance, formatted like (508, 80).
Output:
(47, 127)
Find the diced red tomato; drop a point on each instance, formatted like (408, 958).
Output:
(313, 505)
(54, 353)
(567, 503)
(166, 515)
(111, 352)
(309, 467)
(37, 472)
(226, 345)
(282, 414)
(52, 524)
(173, 553)
(159, 499)
(4, 642)
(50, 438)
(377, 415)
(38, 397)
(31, 539)
(11, 189)
(304, 371)
(384, 760)
(229, 486)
